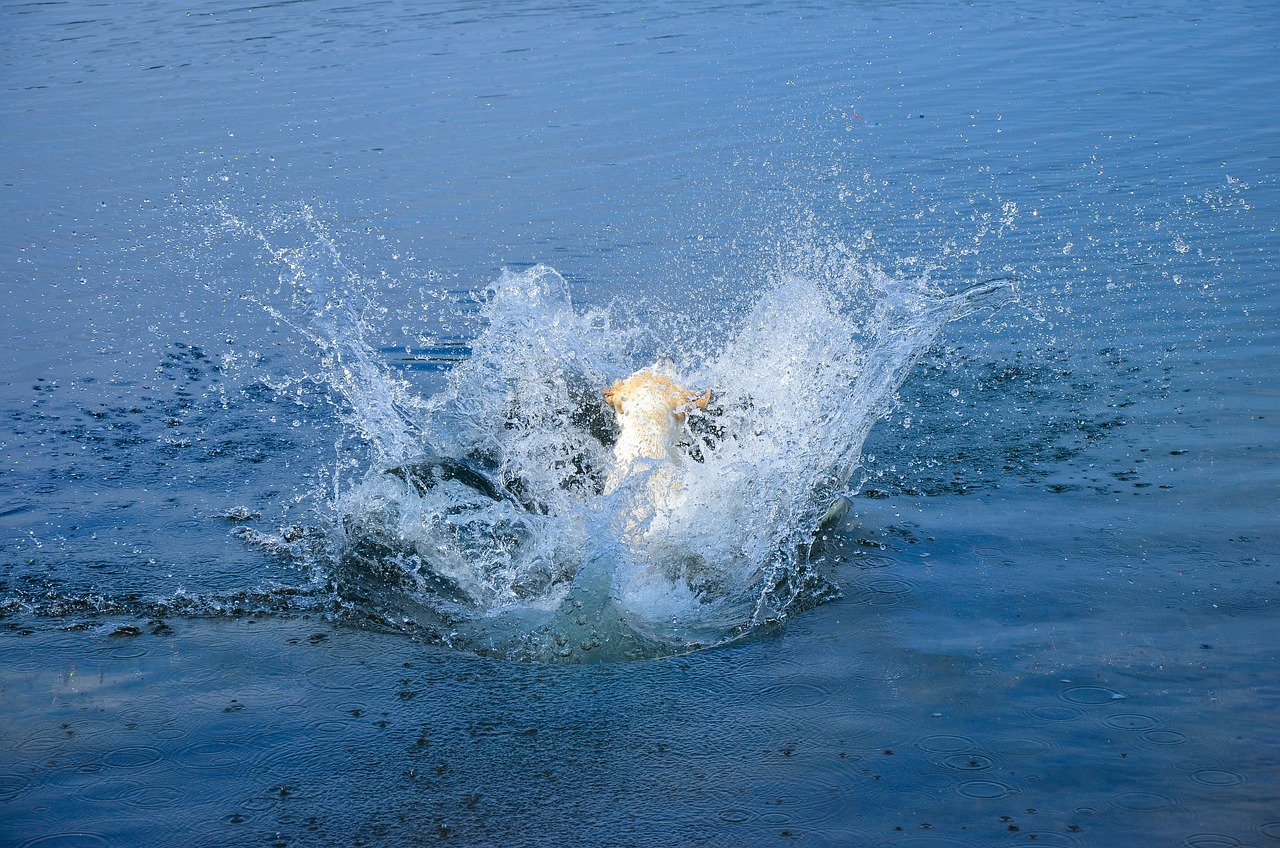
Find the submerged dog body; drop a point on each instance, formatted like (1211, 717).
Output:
(652, 412)
(651, 409)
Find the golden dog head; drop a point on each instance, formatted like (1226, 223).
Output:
(648, 385)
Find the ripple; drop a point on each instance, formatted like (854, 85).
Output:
(930, 841)
(79, 728)
(968, 762)
(215, 754)
(1044, 837)
(734, 815)
(169, 734)
(1210, 840)
(153, 714)
(15, 506)
(890, 586)
(1022, 747)
(1143, 802)
(1130, 721)
(43, 744)
(108, 792)
(71, 839)
(1271, 830)
(328, 727)
(944, 744)
(780, 800)
(1090, 695)
(131, 793)
(128, 652)
(327, 677)
(139, 756)
(874, 561)
(259, 804)
(986, 790)
(886, 591)
(796, 694)
(155, 797)
(30, 664)
(1217, 777)
(1054, 712)
(1165, 737)
(13, 785)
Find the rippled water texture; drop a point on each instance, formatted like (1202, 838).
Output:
(308, 533)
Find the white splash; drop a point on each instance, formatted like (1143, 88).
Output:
(482, 518)
(535, 559)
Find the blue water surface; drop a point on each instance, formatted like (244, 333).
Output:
(1059, 581)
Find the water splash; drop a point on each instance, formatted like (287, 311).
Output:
(481, 518)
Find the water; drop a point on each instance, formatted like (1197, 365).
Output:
(1002, 276)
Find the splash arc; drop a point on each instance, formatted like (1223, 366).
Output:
(506, 532)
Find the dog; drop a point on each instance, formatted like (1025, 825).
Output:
(651, 409)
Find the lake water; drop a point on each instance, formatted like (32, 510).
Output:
(307, 310)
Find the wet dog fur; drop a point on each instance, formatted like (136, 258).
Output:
(651, 409)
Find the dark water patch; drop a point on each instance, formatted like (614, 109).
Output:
(441, 356)
(80, 612)
(12, 507)
(121, 485)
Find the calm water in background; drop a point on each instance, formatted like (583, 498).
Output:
(1060, 589)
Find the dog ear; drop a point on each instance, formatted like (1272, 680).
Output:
(611, 396)
(703, 400)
